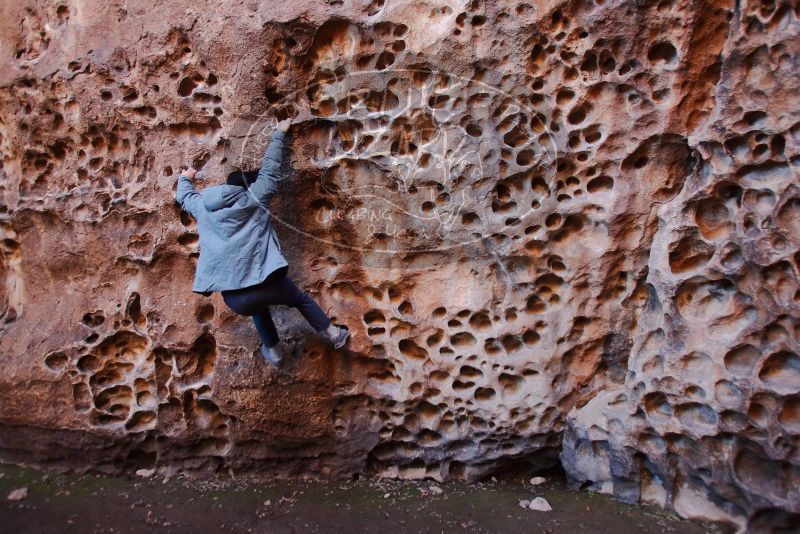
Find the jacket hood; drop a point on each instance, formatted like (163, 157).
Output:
(218, 197)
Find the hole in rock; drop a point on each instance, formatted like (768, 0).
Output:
(186, 86)
(689, 254)
(662, 52)
(56, 361)
(410, 349)
(781, 372)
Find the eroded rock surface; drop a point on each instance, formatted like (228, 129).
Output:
(560, 231)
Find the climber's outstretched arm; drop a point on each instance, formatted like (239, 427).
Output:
(270, 173)
(187, 197)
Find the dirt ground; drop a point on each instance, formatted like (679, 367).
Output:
(60, 503)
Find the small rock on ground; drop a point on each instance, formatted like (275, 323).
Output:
(18, 494)
(540, 504)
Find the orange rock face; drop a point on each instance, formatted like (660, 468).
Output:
(559, 231)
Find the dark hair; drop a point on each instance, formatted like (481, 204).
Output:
(242, 178)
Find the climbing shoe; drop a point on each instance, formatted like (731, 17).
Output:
(341, 336)
(274, 355)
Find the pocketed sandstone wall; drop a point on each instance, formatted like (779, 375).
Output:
(559, 231)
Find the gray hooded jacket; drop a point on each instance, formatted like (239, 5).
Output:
(238, 246)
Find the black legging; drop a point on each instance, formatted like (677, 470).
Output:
(278, 288)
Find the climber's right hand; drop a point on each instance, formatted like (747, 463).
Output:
(284, 124)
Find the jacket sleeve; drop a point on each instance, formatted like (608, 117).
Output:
(266, 184)
(187, 197)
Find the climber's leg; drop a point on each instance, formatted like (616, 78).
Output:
(253, 301)
(280, 289)
(266, 328)
(291, 295)
(247, 301)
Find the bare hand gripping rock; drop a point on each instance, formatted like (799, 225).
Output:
(240, 254)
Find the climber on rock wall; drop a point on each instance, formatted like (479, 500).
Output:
(240, 255)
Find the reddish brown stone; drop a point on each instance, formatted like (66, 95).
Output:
(552, 227)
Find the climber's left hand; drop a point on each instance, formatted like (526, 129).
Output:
(189, 173)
